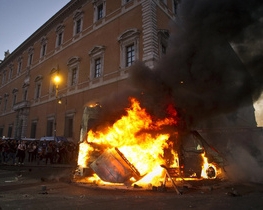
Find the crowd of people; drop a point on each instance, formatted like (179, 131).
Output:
(20, 152)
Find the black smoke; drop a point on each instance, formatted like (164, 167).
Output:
(212, 73)
(212, 66)
(212, 70)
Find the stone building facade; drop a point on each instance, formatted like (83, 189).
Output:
(91, 45)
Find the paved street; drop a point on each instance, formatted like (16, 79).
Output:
(51, 187)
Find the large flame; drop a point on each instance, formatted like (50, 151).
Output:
(142, 149)
(139, 138)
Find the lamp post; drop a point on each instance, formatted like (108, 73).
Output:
(56, 81)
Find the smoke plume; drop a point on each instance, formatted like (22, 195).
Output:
(202, 74)
(212, 69)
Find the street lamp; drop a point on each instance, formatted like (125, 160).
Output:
(56, 81)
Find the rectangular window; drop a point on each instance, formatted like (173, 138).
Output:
(74, 77)
(14, 99)
(69, 127)
(100, 11)
(4, 78)
(19, 67)
(10, 129)
(163, 49)
(43, 52)
(78, 26)
(10, 73)
(59, 39)
(33, 130)
(5, 106)
(97, 72)
(38, 91)
(130, 55)
(25, 95)
(175, 4)
(30, 59)
(50, 127)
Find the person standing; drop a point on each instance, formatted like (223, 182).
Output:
(21, 152)
(5, 151)
(35, 150)
(30, 151)
(49, 153)
(12, 151)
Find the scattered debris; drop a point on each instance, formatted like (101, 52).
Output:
(9, 181)
(154, 188)
(136, 186)
(43, 189)
(233, 193)
(162, 188)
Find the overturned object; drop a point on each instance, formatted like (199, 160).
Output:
(112, 166)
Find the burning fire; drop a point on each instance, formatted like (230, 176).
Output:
(209, 170)
(138, 138)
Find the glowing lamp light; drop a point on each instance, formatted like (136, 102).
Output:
(57, 79)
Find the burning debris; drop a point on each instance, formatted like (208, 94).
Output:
(112, 166)
(141, 150)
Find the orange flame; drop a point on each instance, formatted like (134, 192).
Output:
(140, 139)
(142, 149)
(206, 167)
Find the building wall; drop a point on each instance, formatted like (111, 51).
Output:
(140, 19)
